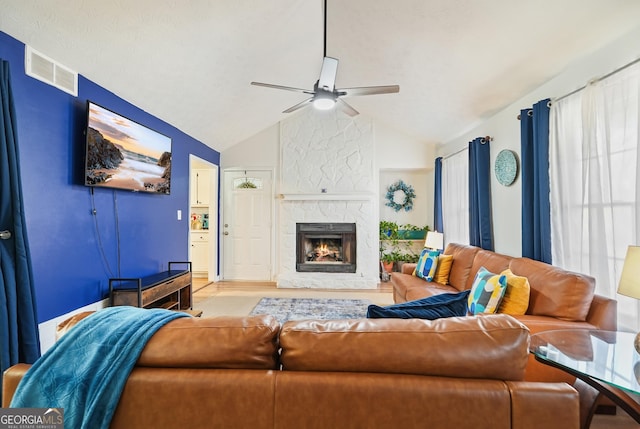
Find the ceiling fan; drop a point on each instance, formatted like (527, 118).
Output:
(324, 95)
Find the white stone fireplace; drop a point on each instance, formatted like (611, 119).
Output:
(327, 176)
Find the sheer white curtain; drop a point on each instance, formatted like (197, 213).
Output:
(595, 193)
(455, 198)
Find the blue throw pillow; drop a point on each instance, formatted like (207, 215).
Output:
(427, 264)
(433, 307)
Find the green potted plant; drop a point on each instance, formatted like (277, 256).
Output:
(406, 258)
(388, 236)
(388, 230)
(387, 261)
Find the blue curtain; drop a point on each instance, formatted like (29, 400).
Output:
(536, 208)
(480, 224)
(19, 340)
(437, 197)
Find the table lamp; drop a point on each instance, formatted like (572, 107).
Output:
(630, 280)
(435, 240)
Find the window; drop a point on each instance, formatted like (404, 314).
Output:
(455, 198)
(247, 183)
(595, 193)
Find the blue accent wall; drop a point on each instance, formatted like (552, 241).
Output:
(70, 271)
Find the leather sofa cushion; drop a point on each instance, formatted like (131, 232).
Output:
(422, 289)
(463, 257)
(491, 261)
(555, 292)
(214, 342)
(494, 347)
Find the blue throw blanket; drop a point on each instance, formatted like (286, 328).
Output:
(86, 370)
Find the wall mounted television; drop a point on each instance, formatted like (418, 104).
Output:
(123, 154)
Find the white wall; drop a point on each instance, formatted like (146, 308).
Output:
(400, 156)
(261, 150)
(396, 150)
(504, 127)
(421, 180)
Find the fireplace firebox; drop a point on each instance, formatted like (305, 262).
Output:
(326, 247)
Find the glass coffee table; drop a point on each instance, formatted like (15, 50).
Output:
(603, 362)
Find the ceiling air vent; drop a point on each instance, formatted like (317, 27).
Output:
(43, 68)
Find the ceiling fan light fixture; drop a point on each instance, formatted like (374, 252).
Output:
(324, 103)
(324, 100)
(325, 96)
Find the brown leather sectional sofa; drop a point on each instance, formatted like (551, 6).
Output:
(250, 372)
(559, 299)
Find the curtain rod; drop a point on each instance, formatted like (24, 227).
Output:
(592, 81)
(598, 79)
(483, 140)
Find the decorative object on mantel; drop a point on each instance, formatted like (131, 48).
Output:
(506, 167)
(407, 201)
(629, 284)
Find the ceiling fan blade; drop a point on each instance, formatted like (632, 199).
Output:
(328, 73)
(298, 106)
(370, 90)
(286, 88)
(346, 108)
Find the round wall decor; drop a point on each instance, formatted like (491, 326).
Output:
(506, 167)
(400, 196)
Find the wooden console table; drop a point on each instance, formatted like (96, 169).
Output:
(169, 289)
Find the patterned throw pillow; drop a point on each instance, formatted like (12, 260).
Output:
(443, 269)
(516, 298)
(486, 292)
(427, 264)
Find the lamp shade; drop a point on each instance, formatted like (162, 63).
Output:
(435, 240)
(630, 280)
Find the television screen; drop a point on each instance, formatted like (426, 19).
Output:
(123, 154)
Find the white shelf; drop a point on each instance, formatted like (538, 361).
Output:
(328, 197)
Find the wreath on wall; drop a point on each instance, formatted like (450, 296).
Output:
(393, 196)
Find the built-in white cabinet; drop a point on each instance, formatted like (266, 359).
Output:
(200, 187)
(200, 252)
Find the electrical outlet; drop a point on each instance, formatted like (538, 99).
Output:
(179, 214)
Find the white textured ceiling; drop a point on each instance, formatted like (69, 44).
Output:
(190, 62)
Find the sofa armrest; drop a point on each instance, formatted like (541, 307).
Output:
(603, 313)
(10, 380)
(408, 268)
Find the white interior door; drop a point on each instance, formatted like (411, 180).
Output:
(246, 225)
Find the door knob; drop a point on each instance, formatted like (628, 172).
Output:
(5, 235)
(226, 233)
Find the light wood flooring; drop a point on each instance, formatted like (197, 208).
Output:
(245, 294)
(203, 289)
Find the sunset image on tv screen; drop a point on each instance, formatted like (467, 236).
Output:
(126, 155)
